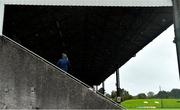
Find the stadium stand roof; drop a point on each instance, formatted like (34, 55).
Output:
(98, 40)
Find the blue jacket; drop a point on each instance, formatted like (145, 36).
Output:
(63, 63)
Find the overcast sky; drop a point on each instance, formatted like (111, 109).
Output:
(1, 17)
(155, 65)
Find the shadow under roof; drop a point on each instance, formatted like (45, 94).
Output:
(97, 40)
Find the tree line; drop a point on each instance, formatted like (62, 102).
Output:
(173, 94)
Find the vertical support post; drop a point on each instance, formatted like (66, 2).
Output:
(176, 10)
(103, 88)
(117, 83)
(1, 16)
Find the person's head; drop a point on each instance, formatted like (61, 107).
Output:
(64, 56)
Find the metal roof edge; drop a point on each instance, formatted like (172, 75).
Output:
(118, 3)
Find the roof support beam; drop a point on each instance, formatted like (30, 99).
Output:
(123, 3)
(176, 9)
(117, 83)
(1, 16)
(103, 87)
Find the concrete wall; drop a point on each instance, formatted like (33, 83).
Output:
(28, 81)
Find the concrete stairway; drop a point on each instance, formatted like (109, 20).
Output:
(28, 81)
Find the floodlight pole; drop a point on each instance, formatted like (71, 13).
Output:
(1, 16)
(176, 11)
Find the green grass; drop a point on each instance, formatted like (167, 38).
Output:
(156, 104)
(155, 109)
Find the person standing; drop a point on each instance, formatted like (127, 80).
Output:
(63, 62)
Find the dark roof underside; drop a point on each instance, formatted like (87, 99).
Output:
(97, 40)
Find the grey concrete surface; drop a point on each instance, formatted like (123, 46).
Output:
(27, 81)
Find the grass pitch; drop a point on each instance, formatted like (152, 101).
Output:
(152, 104)
(156, 109)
